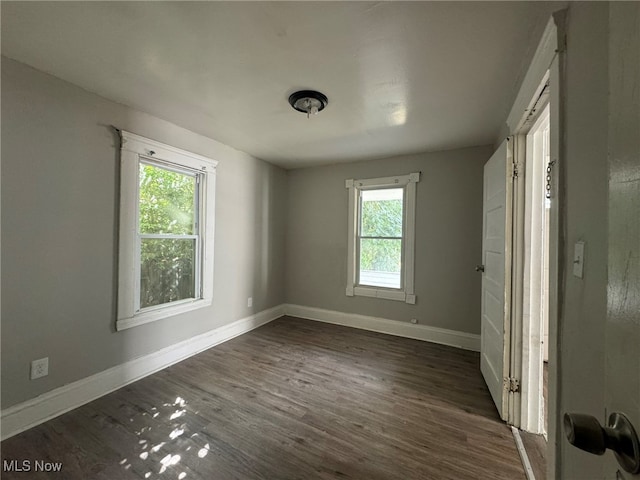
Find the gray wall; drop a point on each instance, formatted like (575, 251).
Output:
(581, 327)
(59, 195)
(448, 238)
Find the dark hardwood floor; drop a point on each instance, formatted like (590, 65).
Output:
(536, 448)
(536, 445)
(294, 399)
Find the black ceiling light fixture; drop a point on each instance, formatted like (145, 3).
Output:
(308, 101)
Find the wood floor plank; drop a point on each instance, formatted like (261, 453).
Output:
(294, 399)
(536, 448)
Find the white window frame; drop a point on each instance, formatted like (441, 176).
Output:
(406, 293)
(135, 149)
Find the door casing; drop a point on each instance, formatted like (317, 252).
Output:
(547, 64)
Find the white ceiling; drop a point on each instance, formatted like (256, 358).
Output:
(401, 77)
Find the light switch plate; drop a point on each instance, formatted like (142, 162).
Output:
(578, 259)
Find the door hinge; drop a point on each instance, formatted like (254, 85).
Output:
(513, 170)
(512, 385)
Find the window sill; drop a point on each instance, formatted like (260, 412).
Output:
(384, 293)
(160, 313)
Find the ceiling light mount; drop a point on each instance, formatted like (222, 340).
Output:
(308, 101)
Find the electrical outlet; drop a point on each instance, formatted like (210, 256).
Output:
(40, 368)
(250, 302)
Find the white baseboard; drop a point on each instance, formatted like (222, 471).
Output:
(526, 464)
(23, 416)
(467, 341)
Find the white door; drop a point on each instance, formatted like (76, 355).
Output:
(622, 341)
(496, 277)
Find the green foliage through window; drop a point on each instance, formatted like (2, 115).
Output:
(167, 206)
(381, 215)
(381, 255)
(167, 201)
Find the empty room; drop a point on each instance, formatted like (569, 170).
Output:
(320, 240)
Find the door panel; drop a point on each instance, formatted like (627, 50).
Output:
(622, 344)
(496, 279)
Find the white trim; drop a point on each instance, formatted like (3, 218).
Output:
(530, 88)
(374, 292)
(139, 145)
(443, 336)
(515, 342)
(160, 313)
(407, 292)
(398, 181)
(530, 351)
(351, 235)
(526, 465)
(410, 239)
(23, 416)
(556, 247)
(134, 149)
(547, 64)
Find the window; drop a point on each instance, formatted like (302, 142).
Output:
(381, 237)
(166, 231)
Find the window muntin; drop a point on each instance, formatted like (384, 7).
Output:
(389, 275)
(380, 237)
(166, 239)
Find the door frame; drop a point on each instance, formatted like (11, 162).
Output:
(532, 411)
(547, 63)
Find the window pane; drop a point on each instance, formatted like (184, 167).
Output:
(380, 262)
(167, 270)
(381, 212)
(167, 201)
